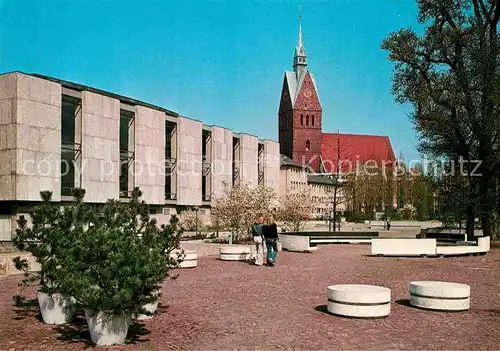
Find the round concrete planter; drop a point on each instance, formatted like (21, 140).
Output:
(107, 329)
(235, 253)
(440, 296)
(359, 301)
(190, 259)
(56, 308)
(149, 307)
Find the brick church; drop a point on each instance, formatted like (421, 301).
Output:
(301, 136)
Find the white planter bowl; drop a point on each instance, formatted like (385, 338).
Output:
(107, 329)
(56, 308)
(235, 253)
(151, 308)
(190, 258)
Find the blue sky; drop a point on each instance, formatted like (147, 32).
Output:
(221, 62)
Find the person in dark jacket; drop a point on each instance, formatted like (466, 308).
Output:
(270, 231)
(258, 238)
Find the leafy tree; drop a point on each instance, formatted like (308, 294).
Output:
(190, 219)
(451, 76)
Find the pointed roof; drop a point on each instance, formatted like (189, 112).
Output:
(295, 84)
(299, 49)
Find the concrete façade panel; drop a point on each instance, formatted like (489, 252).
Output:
(100, 150)
(150, 154)
(8, 95)
(37, 121)
(272, 165)
(6, 110)
(222, 160)
(189, 162)
(249, 159)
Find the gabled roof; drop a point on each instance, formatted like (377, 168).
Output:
(294, 85)
(287, 161)
(319, 179)
(356, 150)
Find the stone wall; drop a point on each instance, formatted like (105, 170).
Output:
(189, 164)
(249, 155)
(272, 165)
(222, 158)
(150, 154)
(100, 147)
(30, 137)
(8, 102)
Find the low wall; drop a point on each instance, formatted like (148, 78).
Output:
(407, 224)
(403, 247)
(426, 247)
(296, 243)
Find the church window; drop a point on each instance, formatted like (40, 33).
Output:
(312, 120)
(301, 119)
(307, 120)
(308, 145)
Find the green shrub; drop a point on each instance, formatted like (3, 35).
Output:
(356, 217)
(119, 261)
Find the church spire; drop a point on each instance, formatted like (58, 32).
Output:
(299, 57)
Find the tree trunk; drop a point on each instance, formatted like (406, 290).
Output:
(469, 228)
(487, 198)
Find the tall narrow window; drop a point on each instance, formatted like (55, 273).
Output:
(312, 120)
(236, 161)
(170, 161)
(301, 119)
(126, 152)
(308, 145)
(206, 152)
(307, 120)
(70, 148)
(260, 164)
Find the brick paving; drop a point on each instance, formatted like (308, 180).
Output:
(235, 306)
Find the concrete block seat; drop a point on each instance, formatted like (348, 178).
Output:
(190, 259)
(440, 296)
(359, 301)
(427, 247)
(235, 253)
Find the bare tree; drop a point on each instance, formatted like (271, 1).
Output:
(295, 209)
(239, 206)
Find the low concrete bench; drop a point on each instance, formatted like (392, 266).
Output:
(440, 296)
(359, 301)
(428, 247)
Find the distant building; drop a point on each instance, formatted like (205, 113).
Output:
(295, 178)
(301, 136)
(57, 135)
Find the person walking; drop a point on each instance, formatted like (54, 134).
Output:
(258, 256)
(270, 231)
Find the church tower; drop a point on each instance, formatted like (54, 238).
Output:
(300, 113)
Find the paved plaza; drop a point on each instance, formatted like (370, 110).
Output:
(235, 306)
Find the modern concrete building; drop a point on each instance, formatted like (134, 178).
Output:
(57, 135)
